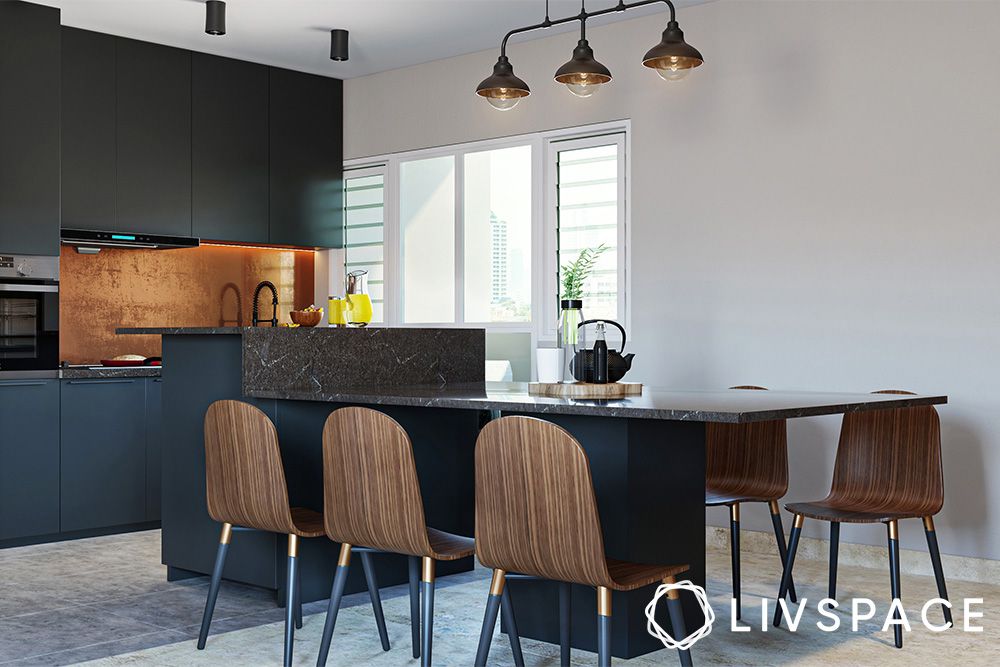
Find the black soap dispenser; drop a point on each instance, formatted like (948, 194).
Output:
(600, 356)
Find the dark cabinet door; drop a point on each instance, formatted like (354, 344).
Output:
(103, 453)
(154, 447)
(306, 175)
(88, 130)
(154, 138)
(29, 458)
(29, 129)
(229, 149)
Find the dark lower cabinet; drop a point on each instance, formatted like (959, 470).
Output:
(103, 462)
(29, 129)
(29, 458)
(154, 447)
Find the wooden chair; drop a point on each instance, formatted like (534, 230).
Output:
(747, 463)
(536, 514)
(888, 468)
(247, 491)
(372, 500)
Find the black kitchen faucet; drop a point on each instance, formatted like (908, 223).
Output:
(274, 302)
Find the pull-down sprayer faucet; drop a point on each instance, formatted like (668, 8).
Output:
(274, 302)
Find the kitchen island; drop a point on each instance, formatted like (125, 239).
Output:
(647, 453)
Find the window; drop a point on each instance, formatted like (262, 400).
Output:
(476, 234)
(364, 230)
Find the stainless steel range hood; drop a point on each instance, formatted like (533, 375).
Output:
(87, 240)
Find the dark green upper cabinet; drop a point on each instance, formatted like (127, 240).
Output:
(229, 149)
(154, 138)
(29, 128)
(88, 130)
(306, 160)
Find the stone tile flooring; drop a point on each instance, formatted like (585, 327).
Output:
(106, 599)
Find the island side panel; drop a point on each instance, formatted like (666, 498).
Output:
(649, 478)
(198, 370)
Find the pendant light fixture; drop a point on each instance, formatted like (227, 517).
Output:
(338, 45)
(215, 17)
(672, 58)
(583, 75)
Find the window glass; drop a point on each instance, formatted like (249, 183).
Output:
(364, 222)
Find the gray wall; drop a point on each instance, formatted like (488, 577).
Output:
(816, 208)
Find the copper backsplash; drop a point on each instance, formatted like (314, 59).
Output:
(206, 286)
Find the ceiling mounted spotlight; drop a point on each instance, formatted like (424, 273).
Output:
(672, 58)
(583, 75)
(215, 17)
(338, 45)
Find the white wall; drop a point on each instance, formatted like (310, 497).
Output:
(815, 208)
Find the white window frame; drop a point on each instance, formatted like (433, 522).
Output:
(337, 276)
(544, 222)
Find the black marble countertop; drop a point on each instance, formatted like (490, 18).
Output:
(732, 406)
(184, 330)
(88, 372)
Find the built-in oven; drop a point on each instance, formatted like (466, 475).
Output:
(29, 316)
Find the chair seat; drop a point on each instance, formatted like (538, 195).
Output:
(627, 576)
(715, 496)
(447, 546)
(307, 522)
(827, 511)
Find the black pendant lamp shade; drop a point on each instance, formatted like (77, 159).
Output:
(582, 74)
(673, 58)
(215, 17)
(503, 89)
(338, 45)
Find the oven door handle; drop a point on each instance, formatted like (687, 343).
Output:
(11, 287)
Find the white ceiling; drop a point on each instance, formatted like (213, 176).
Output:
(385, 34)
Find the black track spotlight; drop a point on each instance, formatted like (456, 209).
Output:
(338, 45)
(215, 17)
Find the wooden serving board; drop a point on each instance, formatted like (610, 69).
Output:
(585, 389)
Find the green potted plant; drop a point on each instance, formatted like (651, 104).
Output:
(574, 275)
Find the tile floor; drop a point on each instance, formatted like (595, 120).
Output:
(107, 600)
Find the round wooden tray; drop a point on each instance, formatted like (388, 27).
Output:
(585, 389)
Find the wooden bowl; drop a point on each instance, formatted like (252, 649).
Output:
(307, 318)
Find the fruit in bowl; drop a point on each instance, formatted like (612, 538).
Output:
(307, 317)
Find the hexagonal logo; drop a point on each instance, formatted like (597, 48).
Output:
(683, 644)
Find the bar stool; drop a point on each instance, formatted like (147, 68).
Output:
(747, 463)
(888, 468)
(246, 487)
(536, 514)
(372, 500)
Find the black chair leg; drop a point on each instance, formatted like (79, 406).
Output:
(893, 526)
(507, 609)
(213, 589)
(369, 568)
(336, 594)
(497, 588)
(786, 575)
(565, 622)
(734, 552)
(932, 547)
(834, 552)
(298, 603)
(426, 610)
(291, 586)
(414, 572)
(779, 537)
(603, 627)
(677, 624)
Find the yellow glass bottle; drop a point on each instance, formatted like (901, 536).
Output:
(338, 311)
(359, 303)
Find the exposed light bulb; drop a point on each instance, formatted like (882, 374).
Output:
(673, 69)
(503, 103)
(583, 89)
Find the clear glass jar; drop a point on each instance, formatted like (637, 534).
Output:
(570, 316)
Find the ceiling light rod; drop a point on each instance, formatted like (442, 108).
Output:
(583, 16)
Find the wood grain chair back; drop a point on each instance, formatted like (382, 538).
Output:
(747, 459)
(371, 490)
(535, 507)
(890, 460)
(244, 474)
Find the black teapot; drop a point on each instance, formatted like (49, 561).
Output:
(582, 364)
